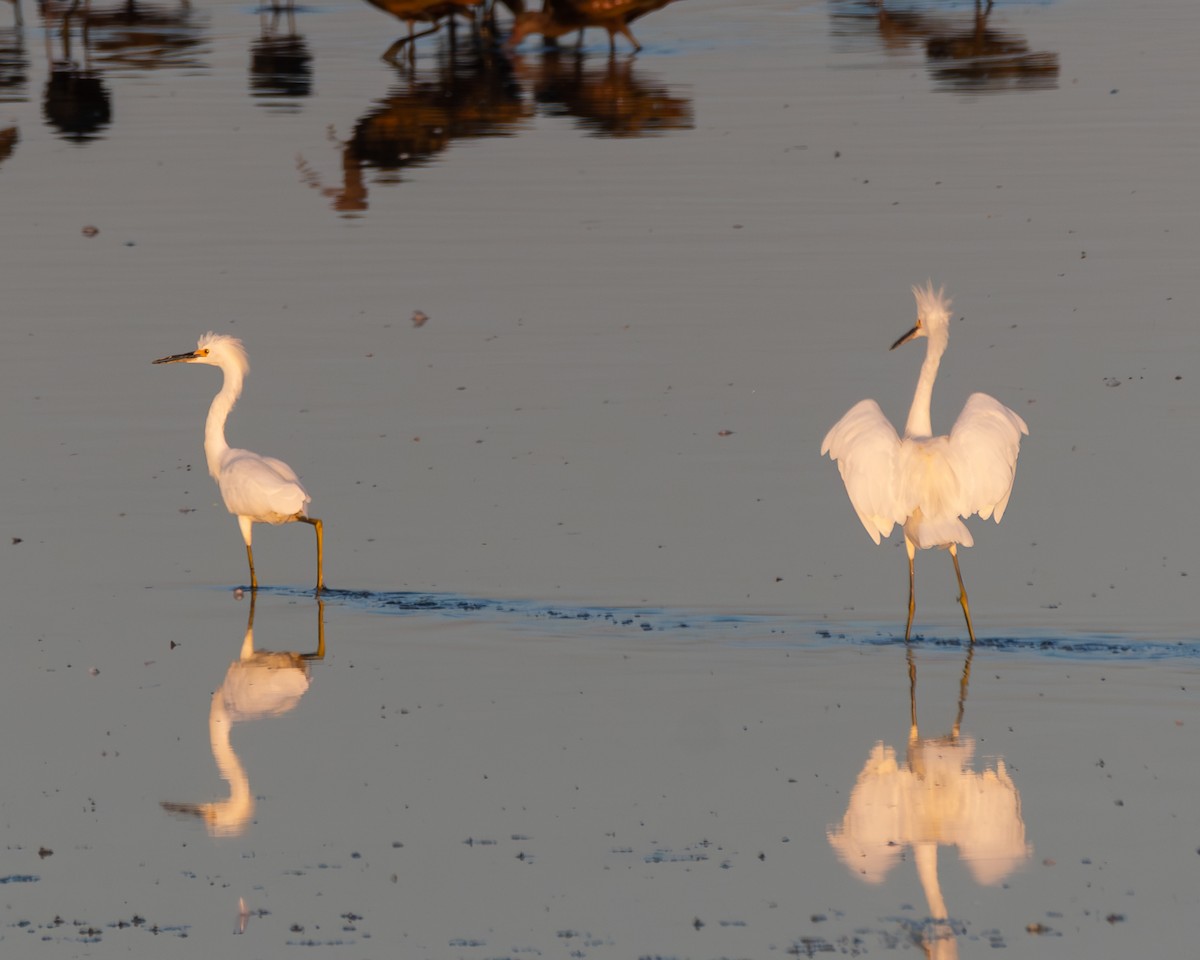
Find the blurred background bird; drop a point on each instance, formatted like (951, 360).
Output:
(928, 484)
(558, 17)
(434, 12)
(256, 489)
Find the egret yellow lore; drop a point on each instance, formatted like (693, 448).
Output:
(928, 484)
(256, 489)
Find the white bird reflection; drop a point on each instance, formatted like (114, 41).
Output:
(260, 683)
(933, 798)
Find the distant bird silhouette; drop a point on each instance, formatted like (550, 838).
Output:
(924, 482)
(256, 489)
(559, 17)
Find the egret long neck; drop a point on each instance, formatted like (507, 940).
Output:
(214, 427)
(919, 423)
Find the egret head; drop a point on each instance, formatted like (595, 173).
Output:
(216, 349)
(933, 315)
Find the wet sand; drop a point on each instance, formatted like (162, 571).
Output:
(641, 321)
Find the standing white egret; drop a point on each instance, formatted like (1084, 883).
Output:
(923, 482)
(256, 489)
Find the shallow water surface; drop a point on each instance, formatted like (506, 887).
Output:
(608, 668)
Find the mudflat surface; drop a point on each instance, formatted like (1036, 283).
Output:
(610, 667)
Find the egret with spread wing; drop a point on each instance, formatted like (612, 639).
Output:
(256, 489)
(928, 484)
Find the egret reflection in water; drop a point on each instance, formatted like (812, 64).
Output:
(933, 798)
(258, 684)
(965, 53)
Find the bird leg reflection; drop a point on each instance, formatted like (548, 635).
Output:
(320, 652)
(912, 603)
(962, 593)
(962, 691)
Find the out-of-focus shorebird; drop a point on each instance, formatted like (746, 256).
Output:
(558, 17)
(434, 12)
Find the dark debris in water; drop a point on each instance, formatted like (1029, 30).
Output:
(748, 629)
(86, 931)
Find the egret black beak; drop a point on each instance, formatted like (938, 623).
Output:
(178, 358)
(904, 339)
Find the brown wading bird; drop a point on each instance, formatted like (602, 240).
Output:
(434, 12)
(256, 489)
(559, 17)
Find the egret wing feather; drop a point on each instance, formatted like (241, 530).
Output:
(283, 469)
(982, 452)
(254, 486)
(867, 450)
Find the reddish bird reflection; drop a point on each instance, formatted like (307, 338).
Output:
(611, 98)
(466, 97)
(964, 53)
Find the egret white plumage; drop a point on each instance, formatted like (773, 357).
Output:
(928, 484)
(256, 489)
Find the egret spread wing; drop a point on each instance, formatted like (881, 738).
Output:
(983, 455)
(866, 447)
(253, 486)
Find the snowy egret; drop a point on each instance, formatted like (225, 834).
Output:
(928, 484)
(256, 489)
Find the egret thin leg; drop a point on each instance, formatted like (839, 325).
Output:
(320, 528)
(912, 601)
(253, 578)
(962, 592)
